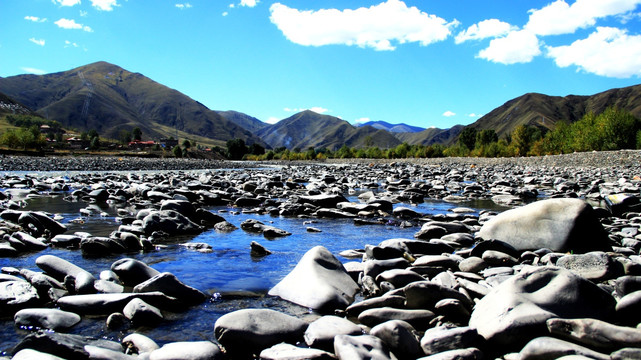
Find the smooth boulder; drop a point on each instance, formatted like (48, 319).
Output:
(561, 224)
(249, 331)
(52, 319)
(319, 281)
(516, 310)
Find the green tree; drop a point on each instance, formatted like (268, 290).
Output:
(256, 149)
(137, 133)
(92, 134)
(177, 151)
(344, 152)
(186, 144)
(236, 149)
(523, 137)
(486, 137)
(467, 137)
(95, 143)
(124, 136)
(310, 154)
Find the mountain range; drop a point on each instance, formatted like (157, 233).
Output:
(393, 128)
(108, 98)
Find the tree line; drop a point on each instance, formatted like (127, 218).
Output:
(613, 129)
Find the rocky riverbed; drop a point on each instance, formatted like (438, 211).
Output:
(557, 275)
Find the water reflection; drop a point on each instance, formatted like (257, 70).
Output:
(229, 273)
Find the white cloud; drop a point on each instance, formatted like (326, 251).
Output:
(449, 113)
(104, 5)
(35, 19)
(318, 109)
(225, 13)
(40, 42)
(362, 120)
(607, 52)
(70, 44)
(560, 18)
(184, 6)
(68, 24)
(376, 27)
(273, 120)
(83, 13)
(232, 5)
(249, 3)
(474, 115)
(517, 47)
(485, 29)
(34, 71)
(66, 2)
(72, 25)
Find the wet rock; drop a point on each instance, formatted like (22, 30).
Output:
(628, 308)
(59, 268)
(17, 295)
(425, 295)
(556, 224)
(595, 334)
(132, 272)
(53, 319)
(360, 347)
(419, 319)
(443, 338)
(551, 348)
(323, 200)
(188, 350)
(400, 338)
(258, 250)
(30, 354)
(137, 344)
(98, 353)
(66, 346)
(170, 222)
(291, 352)
(399, 277)
(319, 281)
(249, 331)
(394, 301)
(320, 333)
(142, 314)
(169, 285)
(596, 266)
(105, 304)
(516, 310)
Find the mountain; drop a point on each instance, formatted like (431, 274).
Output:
(9, 106)
(309, 129)
(545, 111)
(108, 98)
(248, 122)
(431, 136)
(393, 128)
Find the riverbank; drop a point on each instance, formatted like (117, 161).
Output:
(466, 281)
(602, 159)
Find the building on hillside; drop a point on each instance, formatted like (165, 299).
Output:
(168, 143)
(138, 144)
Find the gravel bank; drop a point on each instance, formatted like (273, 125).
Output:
(604, 159)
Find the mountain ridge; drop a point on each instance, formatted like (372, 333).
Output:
(108, 98)
(393, 128)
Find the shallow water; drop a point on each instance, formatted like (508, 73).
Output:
(232, 277)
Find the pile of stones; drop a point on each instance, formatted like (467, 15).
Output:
(554, 276)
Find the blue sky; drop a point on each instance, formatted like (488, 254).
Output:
(425, 63)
